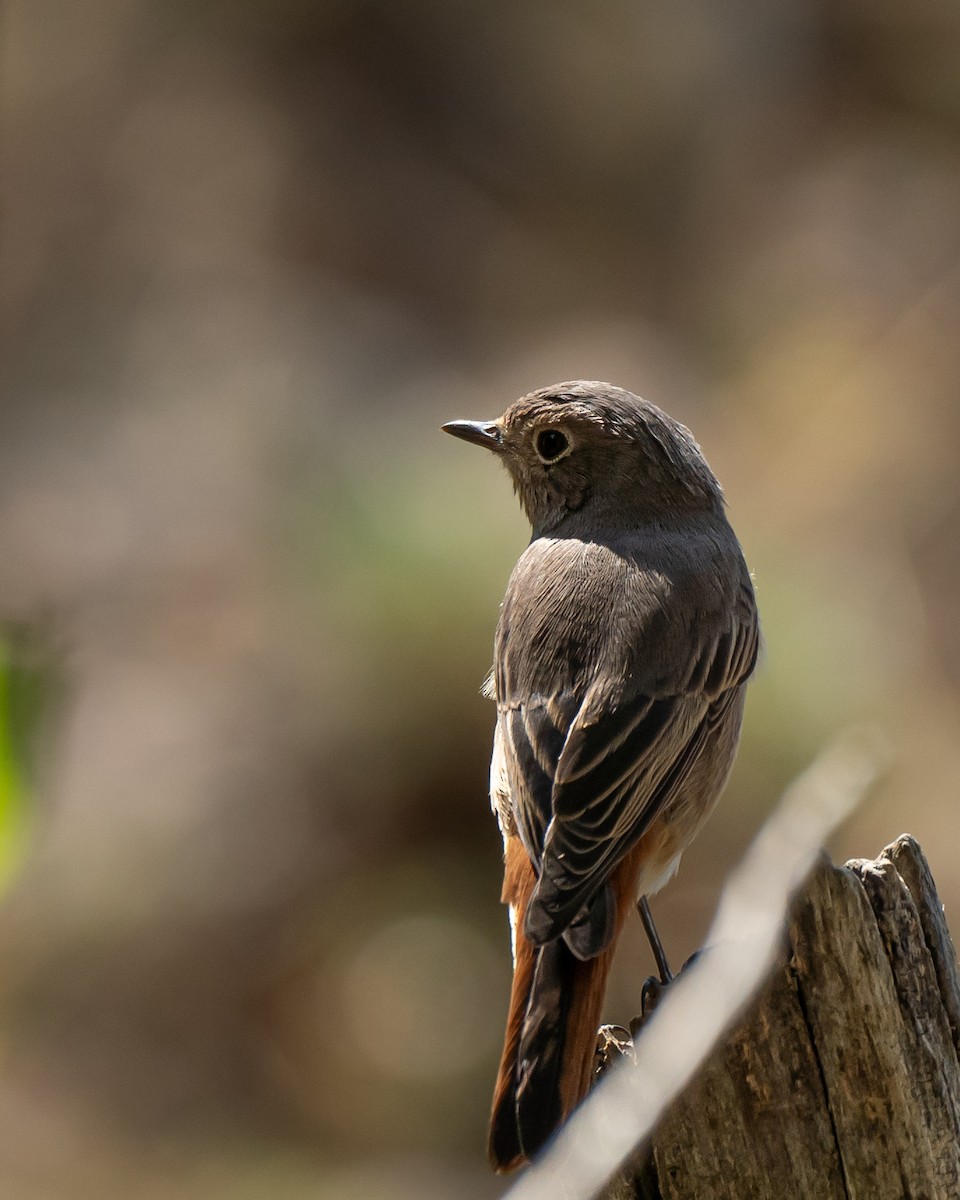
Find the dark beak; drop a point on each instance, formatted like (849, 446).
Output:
(482, 433)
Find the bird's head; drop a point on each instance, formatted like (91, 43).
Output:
(596, 451)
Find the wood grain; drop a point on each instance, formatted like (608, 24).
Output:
(842, 1080)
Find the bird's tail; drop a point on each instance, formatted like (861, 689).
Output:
(555, 1006)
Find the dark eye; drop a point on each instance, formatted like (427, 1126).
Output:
(551, 443)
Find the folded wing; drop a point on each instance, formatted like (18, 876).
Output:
(591, 767)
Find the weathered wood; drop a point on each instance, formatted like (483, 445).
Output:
(766, 1072)
(928, 1052)
(911, 865)
(842, 1081)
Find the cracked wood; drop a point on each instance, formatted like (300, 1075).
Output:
(842, 1081)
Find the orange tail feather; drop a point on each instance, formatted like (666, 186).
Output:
(555, 1007)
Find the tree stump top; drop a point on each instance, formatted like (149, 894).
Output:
(842, 1081)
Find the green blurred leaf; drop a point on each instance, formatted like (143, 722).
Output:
(22, 691)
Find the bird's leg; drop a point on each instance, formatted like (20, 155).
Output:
(659, 955)
(653, 988)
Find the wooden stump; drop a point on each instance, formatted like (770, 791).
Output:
(842, 1081)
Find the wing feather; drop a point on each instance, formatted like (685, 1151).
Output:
(641, 686)
(578, 852)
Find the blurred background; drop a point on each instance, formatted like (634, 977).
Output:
(254, 255)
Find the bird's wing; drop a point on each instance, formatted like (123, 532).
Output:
(591, 832)
(590, 768)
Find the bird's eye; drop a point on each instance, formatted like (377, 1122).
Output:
(551, 444)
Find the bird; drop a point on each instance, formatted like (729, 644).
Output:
(625, 640)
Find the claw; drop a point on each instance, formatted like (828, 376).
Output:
(613, 1042)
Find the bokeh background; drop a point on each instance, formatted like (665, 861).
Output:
(254, 254)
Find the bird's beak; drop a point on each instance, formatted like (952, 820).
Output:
(482, 433)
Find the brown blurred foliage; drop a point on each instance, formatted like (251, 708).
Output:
(254, 255)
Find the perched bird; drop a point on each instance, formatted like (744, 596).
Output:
(626, 637)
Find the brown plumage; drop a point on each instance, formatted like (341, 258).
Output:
(625, 640)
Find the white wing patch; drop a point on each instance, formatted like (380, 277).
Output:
(651, 886)
(512, 914)
(500, 788)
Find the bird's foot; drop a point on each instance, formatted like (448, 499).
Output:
(652, 994)
(613, 1043)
